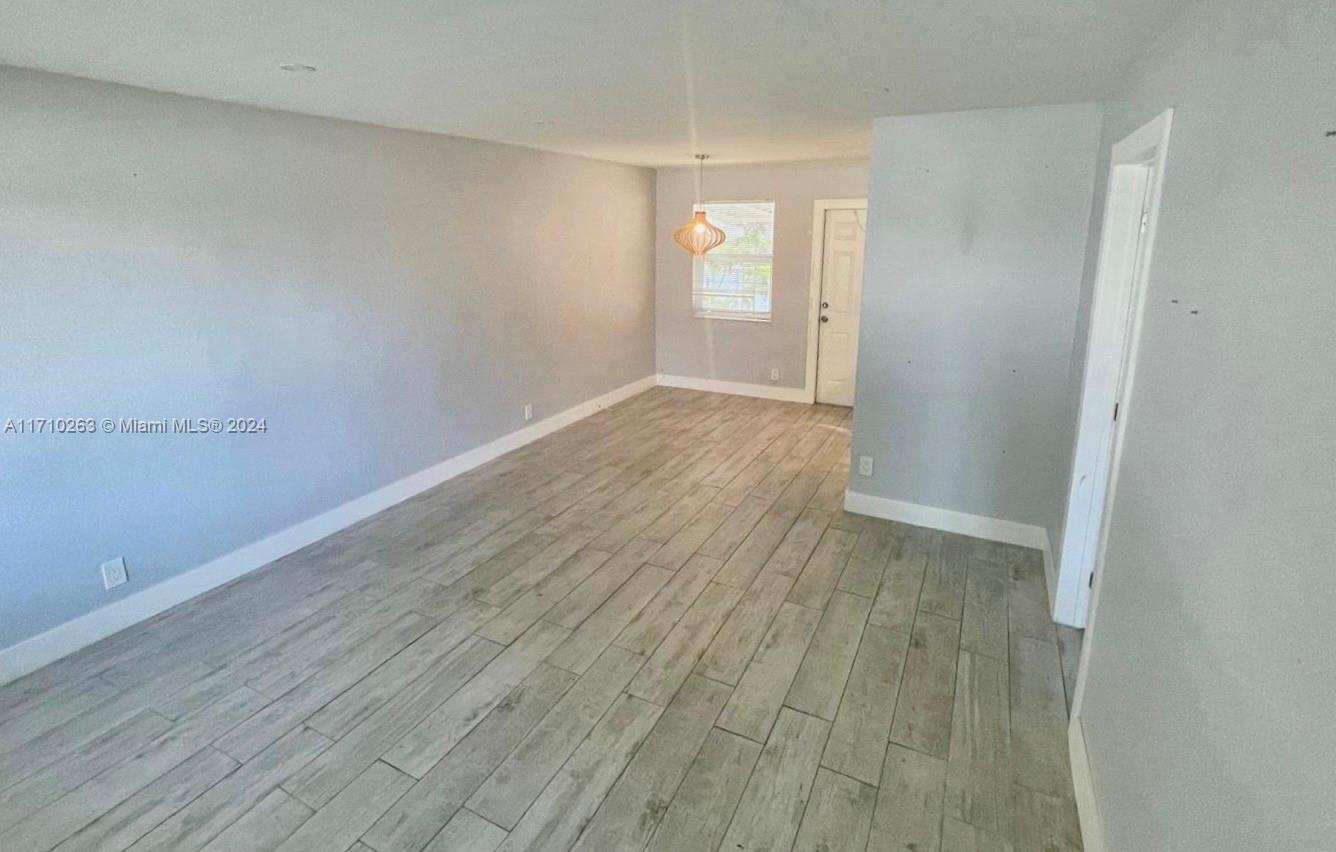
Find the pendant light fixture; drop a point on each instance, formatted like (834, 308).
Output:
(699, 235)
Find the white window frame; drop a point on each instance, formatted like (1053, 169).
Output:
(698, 266)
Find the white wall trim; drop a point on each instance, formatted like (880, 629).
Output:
(1092, 832)
(948, 520)
(64, 639)
(782, 394)
(819, 208)
(1126, 245)
(1050, 575)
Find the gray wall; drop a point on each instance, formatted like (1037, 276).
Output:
(976, 239)
(1208, 715)
(729, 350)
(385, 299)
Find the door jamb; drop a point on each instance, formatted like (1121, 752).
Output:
(819, 208)
(1147, 145)
(1097, 433)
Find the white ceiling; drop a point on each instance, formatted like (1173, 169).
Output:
(630, 80)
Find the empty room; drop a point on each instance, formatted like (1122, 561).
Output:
(585, 426)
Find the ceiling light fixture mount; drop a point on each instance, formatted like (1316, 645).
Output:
(699, 235)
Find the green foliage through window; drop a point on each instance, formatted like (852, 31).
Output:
(734, 281)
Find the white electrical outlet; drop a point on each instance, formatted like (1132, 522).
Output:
(113, 572)
(865, 465)
(528, 411)
(774, 374)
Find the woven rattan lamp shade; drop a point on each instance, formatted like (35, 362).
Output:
(699, 236)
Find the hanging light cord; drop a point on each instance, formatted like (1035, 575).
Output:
(700, 178)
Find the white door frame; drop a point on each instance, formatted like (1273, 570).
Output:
(819, 208)
(1146, 148)
(1127, 239)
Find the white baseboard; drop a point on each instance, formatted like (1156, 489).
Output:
(63, 639)
(1051, 580)
(737, 388)
(947, 520)
(1092, 833)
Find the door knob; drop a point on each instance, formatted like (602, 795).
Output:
(825, 319)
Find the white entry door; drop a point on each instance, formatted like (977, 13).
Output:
(841, 295)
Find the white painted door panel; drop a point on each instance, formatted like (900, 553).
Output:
(841, 295)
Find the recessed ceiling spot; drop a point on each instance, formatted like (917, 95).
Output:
(296, 67)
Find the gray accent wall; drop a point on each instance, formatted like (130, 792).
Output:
(731, 350)
(384, 299)
(976, 241)
(1211, 686)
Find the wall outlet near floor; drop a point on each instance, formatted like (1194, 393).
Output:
(774, 374)
(528, 411)
(865, 465)
(113, 572)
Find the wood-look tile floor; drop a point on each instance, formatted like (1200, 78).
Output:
(655, 629)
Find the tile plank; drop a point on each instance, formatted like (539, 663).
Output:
(924, 707)
(121, 826)
(579, 650)
(700, 811)
(760, 692)
(426, 808)
(821, 679)
(867, 563)
(1039, 718)
(323, 778)
(432, 738)
(468, 832)
(339, 823)
(771, 808)
(984, 626)
(631, 813)
(962, 837)
(1044, 822)
(838, 816)
(944, 578)
(735, 529)
(263, 827)
(750, 556)
(354, 706)
(728, 655)
(503, 798)
(978, 769)
(558, 816)
(898, 598)
(649, 627)
(798, 544)
(862, 725)
(205, 818)
(674, 659)
(817, 580)
(909, 803)
(586, 599)
(47, 827)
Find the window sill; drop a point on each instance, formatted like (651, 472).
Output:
(731, 318)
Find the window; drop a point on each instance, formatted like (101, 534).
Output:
(733, 281)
